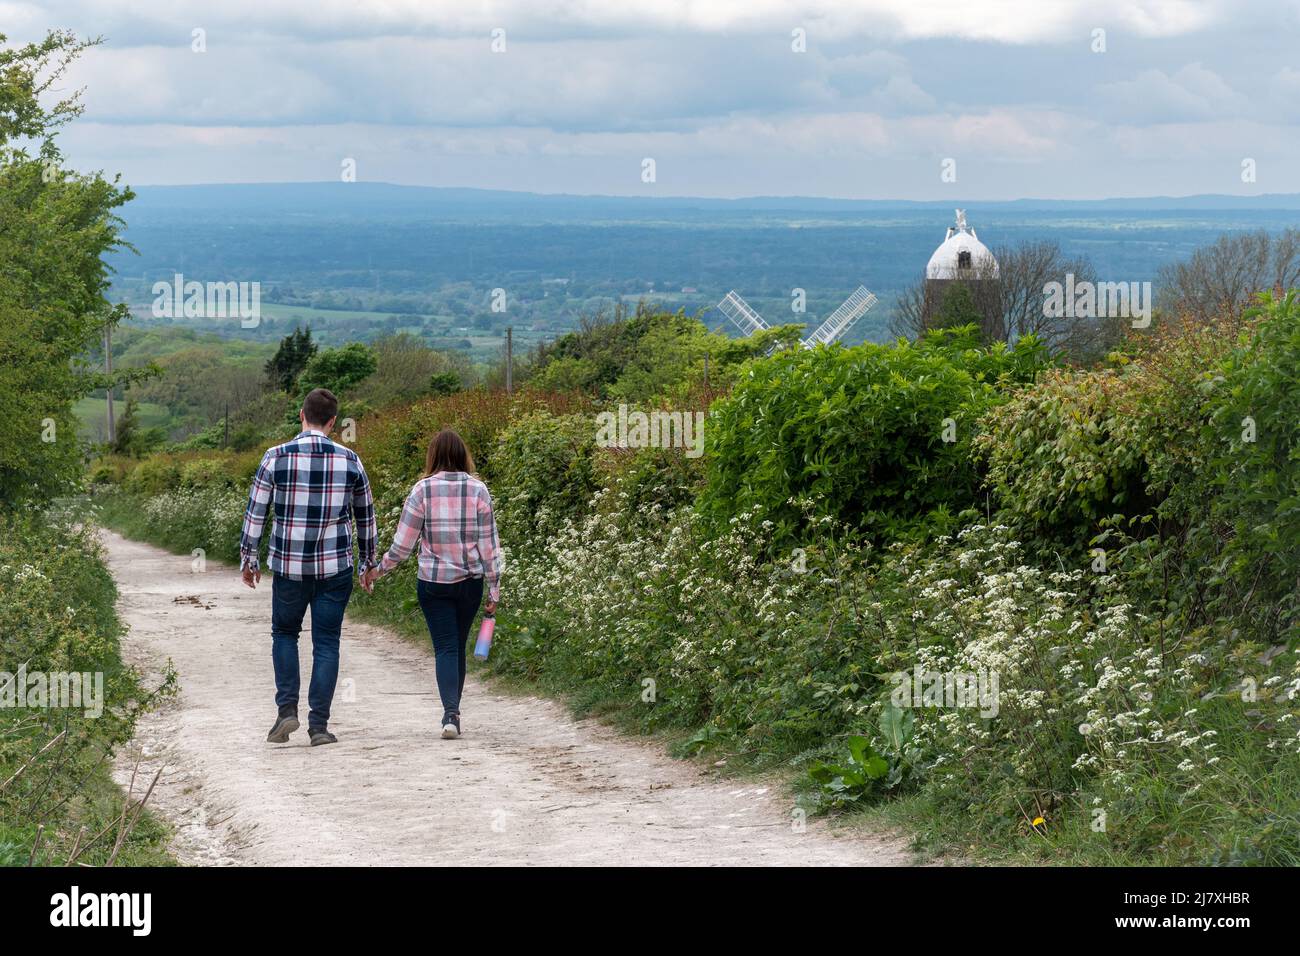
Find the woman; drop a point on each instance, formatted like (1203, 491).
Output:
(449, 512)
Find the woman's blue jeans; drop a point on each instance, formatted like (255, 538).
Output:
(449, 611)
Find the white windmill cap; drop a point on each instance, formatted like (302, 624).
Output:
(948, 261)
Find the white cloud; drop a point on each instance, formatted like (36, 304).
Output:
(1192, 92)
(882, 79)
(901, 94)
(1283, 92)
(622, 83)
(1007, 21)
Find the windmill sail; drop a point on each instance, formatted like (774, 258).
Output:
(738, 310)
(842, 319)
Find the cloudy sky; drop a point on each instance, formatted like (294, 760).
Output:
(866, 99)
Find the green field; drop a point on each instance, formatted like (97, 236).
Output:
(92, 413)
(307, 315)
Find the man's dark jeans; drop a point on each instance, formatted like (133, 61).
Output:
(328, 599)
(449, 611)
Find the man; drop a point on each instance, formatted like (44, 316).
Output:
(314, 488)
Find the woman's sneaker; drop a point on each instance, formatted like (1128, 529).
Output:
(450, 726)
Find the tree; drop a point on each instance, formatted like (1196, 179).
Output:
(131, 439)
(55, 227)
(126, 428)
(338, 369)
(295, 351)
(405, 368)
(444, 383)
(1219, 281)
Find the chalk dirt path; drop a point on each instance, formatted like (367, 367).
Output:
(527, 784)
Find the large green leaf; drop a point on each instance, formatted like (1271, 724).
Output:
(896, 726)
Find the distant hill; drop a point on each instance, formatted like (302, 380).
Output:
(363, 198)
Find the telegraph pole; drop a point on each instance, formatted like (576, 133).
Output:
(510, 361)
(108, 368)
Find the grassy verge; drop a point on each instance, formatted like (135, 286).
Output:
(58, 801)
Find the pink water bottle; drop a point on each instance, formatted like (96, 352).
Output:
(485, 637)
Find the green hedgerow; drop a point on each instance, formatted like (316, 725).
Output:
(878, 435)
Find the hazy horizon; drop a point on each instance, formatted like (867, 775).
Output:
(938, 203)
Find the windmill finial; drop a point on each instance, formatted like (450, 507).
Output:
(961, 220)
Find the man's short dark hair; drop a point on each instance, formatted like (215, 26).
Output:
(320, 406)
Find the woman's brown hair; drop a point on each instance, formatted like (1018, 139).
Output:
(447, 452)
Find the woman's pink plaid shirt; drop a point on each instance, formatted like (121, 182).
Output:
(449, 515)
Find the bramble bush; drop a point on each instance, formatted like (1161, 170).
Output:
(1183, 462)
(392, 443)
(1254, 431)
(646, 483)
(643, 354)
(606, 601)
